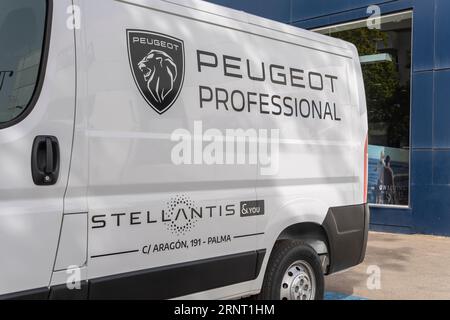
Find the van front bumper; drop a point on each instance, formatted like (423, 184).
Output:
(347, 230)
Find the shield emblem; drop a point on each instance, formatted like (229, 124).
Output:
(157, 64)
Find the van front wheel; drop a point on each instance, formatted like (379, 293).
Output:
(294, 272)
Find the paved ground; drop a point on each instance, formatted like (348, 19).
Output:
(411, 267)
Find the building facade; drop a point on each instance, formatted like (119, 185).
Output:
(405, 55)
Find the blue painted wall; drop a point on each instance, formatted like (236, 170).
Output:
(430, 109)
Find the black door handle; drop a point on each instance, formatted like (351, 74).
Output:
(45, 160)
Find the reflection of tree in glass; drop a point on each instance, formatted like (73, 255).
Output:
(387, 101)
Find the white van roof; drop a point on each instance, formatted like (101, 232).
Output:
(243, 17)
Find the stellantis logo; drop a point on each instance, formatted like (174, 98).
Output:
(157, 64)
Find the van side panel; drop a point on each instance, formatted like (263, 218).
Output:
(151, 213)
(317, 149)
(140, 202)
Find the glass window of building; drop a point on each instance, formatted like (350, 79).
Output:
(385, 54)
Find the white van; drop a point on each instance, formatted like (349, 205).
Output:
(175, 149)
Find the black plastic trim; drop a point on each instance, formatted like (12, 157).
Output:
(158, 283)
(347, 230)
(42, 70)
(179, 279)
(260, 254)
(62, 292)
(34, 294)
(366, 232)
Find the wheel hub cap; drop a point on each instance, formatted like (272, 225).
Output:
(298, 282)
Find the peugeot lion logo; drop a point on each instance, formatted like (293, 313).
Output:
(157, 64)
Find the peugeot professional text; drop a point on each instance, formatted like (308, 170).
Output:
(157, 149)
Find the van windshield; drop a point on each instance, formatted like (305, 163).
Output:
(22, 27)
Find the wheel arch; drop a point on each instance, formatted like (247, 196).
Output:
(311, 233)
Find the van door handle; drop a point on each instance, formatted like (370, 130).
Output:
(45, 160)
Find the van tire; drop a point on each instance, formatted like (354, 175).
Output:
(293, 255)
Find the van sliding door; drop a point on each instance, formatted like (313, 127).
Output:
(165, 216)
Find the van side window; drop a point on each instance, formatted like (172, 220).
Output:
(22, 28)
